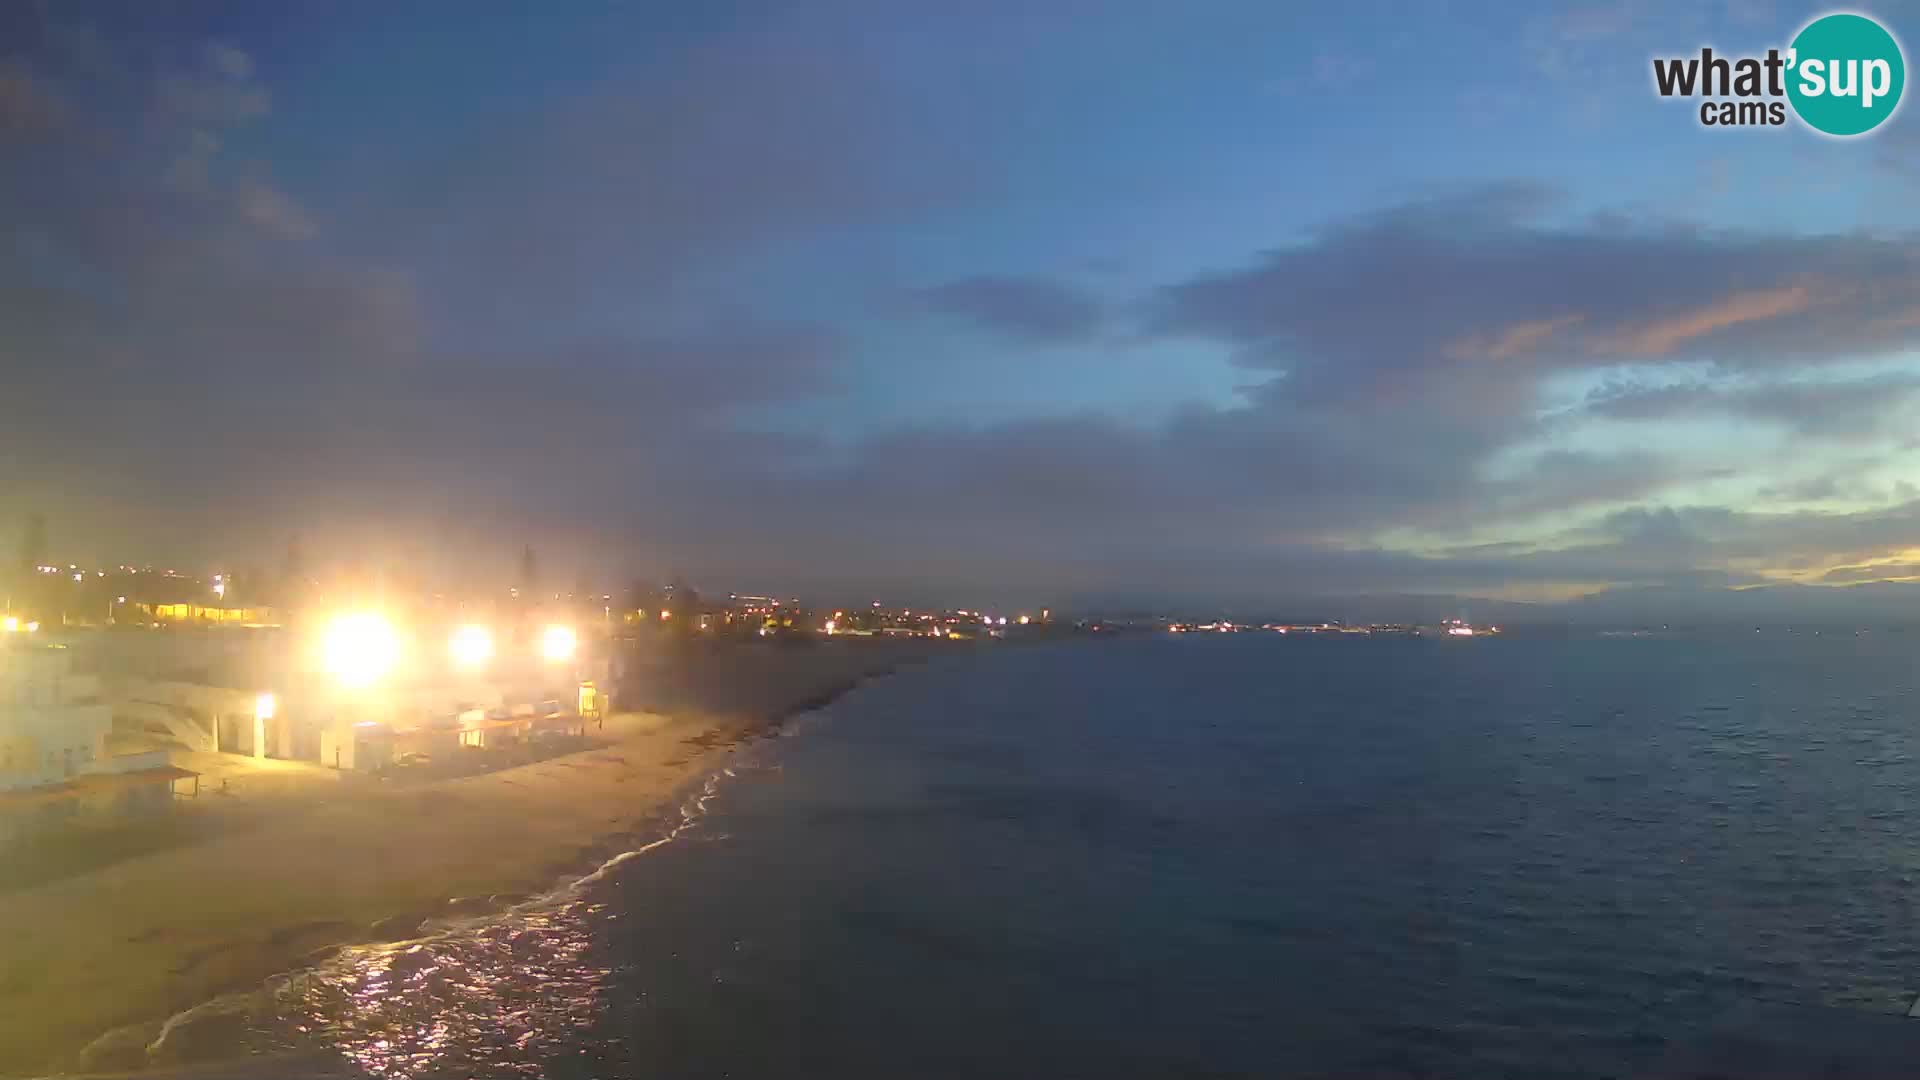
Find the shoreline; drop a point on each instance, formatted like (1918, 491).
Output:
(121, 959)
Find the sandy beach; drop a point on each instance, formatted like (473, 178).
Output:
(95, 963)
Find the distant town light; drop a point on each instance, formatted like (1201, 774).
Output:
(557, 643)
(665, 614)
(263, 706)
(1024, 620)
(360, 648)
(471, 646)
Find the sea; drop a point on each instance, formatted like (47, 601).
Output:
(1241, 855)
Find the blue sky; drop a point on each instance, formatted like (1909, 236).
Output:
(1108, 300)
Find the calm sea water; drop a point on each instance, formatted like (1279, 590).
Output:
(1220, 856)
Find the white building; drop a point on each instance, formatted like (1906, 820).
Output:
(53, 720)
(54, 764)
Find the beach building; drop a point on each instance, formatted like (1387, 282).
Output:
(54, 764)
(271, 693)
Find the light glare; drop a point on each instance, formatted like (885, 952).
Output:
(557, 643)
(359, 649)
(471, 646)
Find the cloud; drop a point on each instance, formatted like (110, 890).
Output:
(1436, 287)
(1667, 334)
(271, 209)
(28, 110)
(1031, 310)
(1885, 571)
(645, 180)
(1844, 408)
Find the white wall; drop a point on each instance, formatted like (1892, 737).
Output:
(53, 723)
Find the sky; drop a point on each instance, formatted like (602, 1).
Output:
(1090, 301)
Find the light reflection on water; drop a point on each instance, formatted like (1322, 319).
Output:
(501, 994)
(503, 998)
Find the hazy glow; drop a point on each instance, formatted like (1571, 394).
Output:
(557, 643)
(264, 706)
(471, 646)
(359, 649)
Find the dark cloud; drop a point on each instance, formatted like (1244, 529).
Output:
(1031, 310)
(656, 174)
(1487, 282)
(28, 110)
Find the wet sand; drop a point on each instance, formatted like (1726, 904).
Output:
(91, 966)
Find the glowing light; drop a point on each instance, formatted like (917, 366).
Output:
(665, 614)
(33, 628)
(220, 588)
(557, 643)
(831, 626)
(471, 646)
(359, 649)
(264, 706)
(1024, 620)
(11, 624)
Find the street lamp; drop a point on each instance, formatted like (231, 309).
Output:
(360, 648)
(471, 647)
(557, 643)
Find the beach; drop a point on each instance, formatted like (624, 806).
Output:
(95, 963)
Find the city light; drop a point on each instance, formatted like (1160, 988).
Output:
(11, 624)
(471, 646)
(220, 589)
(263, 706)
(1024, 620)
(359, 649)
(557, 643)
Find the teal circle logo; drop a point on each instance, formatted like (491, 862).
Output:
(1845, 74)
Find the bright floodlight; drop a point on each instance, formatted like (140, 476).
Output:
(263, 706)
(360, 648)
(11, 624)
(471, 646)
(557, 643)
